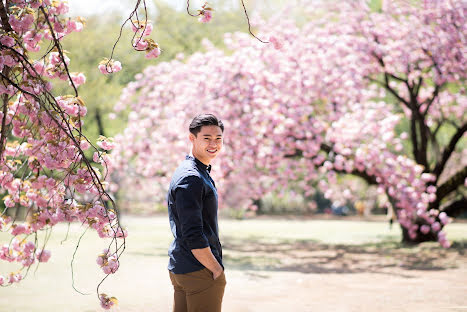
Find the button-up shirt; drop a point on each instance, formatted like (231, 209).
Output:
(192, 205)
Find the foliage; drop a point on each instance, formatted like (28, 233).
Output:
(176, 35)
(326, 102)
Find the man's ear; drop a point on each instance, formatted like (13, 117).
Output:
(192, 137)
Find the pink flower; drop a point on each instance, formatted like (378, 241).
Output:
(107, 302)
(103, 69)
(43, 255)
(436, 226)
(105, 144)
(78, 79)
(445, 243)
(29, 247)
(84, 145)
(431, 189)
(8, 60)
(9, 202)
(140, 45)
(444, 218)
(19, 229)
(205, 15)
(425, 229)
(13, 278)
(154, 53)
(121, 233)
(275, 42)
(147, 29)
(111, 67)
(75, 26)
(100, 260)
(7, 41)
(428, 177)
(2, 280)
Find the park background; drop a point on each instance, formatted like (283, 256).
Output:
(286, 251)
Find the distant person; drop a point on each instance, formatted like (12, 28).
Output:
(195, 255)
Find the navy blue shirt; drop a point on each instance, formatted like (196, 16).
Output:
(192, 203)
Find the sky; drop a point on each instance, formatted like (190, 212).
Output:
(95, 7)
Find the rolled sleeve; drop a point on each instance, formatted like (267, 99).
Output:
(188, 203)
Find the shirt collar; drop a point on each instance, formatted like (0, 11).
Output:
(199, 163)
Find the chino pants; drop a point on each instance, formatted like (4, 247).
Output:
(197, 291)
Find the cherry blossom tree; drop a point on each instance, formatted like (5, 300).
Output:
(44, 168)
(325, 98)
(44, 165)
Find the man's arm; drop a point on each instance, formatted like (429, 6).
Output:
(188, 199)
(205, 256)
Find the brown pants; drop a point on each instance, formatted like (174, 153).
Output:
(197, 291)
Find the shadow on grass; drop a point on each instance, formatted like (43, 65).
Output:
(316, 257)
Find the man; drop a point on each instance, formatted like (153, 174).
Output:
(195, 264)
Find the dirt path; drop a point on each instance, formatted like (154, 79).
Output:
(270, 268)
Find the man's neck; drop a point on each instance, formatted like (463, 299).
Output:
(207, 163)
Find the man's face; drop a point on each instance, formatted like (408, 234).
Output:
(207, 143)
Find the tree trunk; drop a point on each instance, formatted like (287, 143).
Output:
(100, 125)
(420, 238)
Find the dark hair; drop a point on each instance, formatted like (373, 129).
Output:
(204, 120)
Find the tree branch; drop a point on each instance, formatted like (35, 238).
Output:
(450, 185)
(448, 151)
(456, 208)
(4, 17)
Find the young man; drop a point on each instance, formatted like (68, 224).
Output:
(195, 264)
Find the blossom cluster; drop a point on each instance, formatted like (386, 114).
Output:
(308, 111)
(42, 165)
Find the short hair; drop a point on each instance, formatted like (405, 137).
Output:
(204, 120)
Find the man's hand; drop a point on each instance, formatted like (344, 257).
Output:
(217, 273)
(206, 258)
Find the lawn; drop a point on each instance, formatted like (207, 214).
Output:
(271, 265)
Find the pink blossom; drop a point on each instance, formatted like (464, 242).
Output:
(9, 202)
(100, 260)
(205, 16)
(85, 145)
(140, 44)
(107, 302)
(428, 177)
(2, 280)
(13, 278)
(111, 67)
(8, 60)
(444, 218)
(431, 189)
(29, 247)
(425, 229)
(436, 226)
(43, 255)
(122, 233)
(154, 53)
(75, 26)
(147, 29)
(78, 79)
(7, 41)
(275, 42)
(106, 144)
(19, 229)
